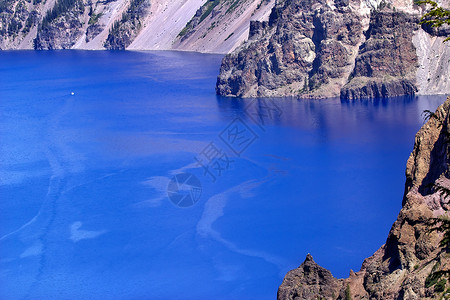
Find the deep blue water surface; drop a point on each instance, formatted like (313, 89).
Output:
(84, 212)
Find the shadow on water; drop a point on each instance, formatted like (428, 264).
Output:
(384, 102)
(330, 118)
(311, 113)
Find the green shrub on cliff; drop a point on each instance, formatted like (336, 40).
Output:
(440, 286)
(61, 7)
(210, 6)
(348, 294)
(94, 18)
(123, 31)
(436, 17)
(442, 223)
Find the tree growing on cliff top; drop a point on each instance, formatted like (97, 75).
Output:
(436, 16)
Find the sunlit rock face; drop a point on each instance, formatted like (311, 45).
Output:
(352, 49)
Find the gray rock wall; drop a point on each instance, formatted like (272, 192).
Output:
(318, 49)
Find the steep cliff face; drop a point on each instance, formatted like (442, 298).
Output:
(348, 48)
(19, 20)
(308, 282)
(307, 47)
(433, 74)
(408, 265)
(217, 26)
(221, 25)
(125, 30)
(61, 26)
(387, 62)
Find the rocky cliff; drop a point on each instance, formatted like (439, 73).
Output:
(305, 48)
(61, 26)
(411, 264)
(387, 61)
(217, 26)
(18, 22)
(348, 48)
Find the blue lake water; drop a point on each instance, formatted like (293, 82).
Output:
(84, 207)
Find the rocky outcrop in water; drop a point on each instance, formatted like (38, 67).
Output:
(412, 264)
(319, 49)
(306, 48)
(308, 281)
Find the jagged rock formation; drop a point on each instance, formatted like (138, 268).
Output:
(406, 267)
(319, 49)
(387, 52)
(306, 48)
(308, 281)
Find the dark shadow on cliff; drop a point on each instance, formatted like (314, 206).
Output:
(437, 167)
(392, 254)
